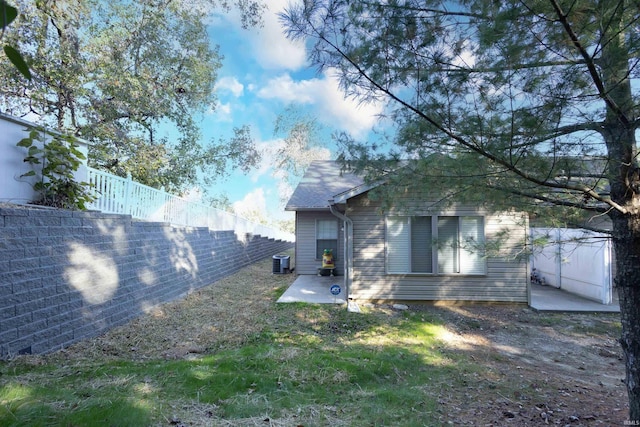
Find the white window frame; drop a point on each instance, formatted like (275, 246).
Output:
(467, 261)
(324, 233)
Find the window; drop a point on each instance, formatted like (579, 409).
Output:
(435, 244)
(326, 237)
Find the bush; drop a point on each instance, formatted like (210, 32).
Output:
(59, 158)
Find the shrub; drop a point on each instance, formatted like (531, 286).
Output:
(54, 166)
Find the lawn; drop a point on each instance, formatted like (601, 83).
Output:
(228, 355)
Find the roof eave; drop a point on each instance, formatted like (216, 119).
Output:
(355, 191)
(306, 208)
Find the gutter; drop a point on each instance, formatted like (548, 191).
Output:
(348, 247)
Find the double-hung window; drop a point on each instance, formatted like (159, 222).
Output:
(326, 237)
(435, 244)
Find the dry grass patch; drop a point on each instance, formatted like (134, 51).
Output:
(219, 316)
(227, 355)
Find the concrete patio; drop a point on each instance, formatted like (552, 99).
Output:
(549, 298)
(317, 290)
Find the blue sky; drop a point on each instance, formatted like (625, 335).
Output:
(263, 73)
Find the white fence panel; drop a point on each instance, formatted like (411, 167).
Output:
(15, 188)
(545, 258)
(146, 202)
(110, 192)
(119, 195)
(575, 260)
(115, 194)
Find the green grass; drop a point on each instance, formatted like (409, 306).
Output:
(592, 324)
(320, 363)
(601, 324)
(311, 365)
(262, 363)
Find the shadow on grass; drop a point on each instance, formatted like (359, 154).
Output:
(48, 405)
(308, 365)
(321, 362)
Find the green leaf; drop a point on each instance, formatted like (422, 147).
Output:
(16, 59)
(32, 160)
(24, 142)
(30, 173)
(57, 148)
(77, 153)
(7, 14)
(33, 150)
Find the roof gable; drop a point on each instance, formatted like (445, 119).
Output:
(322, 181)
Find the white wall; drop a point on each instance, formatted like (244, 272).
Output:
(13, 188)
(575, 260)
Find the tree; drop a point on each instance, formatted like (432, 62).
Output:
(301, 145)
(118, 74)
(529, 104)
(7, 15)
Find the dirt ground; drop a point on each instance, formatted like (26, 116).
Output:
(559, 369)
(563, 369)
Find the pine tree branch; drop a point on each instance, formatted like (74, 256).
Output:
(551, 200)
(591, 65)
(462, 141)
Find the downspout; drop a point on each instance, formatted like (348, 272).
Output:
(348, 247)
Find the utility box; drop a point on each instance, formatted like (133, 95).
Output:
(281, 264)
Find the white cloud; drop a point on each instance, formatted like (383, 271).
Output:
(222, 112)
(252, 203)
(261, 206)
(268, 151)
(284, 180)
(230, 84)
(269, 187)
(269, 46)
(286, 89)
(275, 53)
(331, 105)
(272, 48)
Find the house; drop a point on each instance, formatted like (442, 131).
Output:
(409, 253)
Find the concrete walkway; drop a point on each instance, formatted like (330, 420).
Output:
(549, 298)
(317, 290)
(314, 289)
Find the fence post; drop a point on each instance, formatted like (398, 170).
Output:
(559, 258)
(127, 195)
(166, 208)
(607, 297)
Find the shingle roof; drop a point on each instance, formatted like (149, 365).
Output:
(322, 180)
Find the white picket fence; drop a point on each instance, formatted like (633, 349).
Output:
(119, 195)
(575, 260)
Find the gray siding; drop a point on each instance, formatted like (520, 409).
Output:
(306, 261)
(506, 279)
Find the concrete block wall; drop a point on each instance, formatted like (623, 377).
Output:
(66, 275)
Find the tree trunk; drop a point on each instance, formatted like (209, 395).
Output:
(619, 135)
(626, 244)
